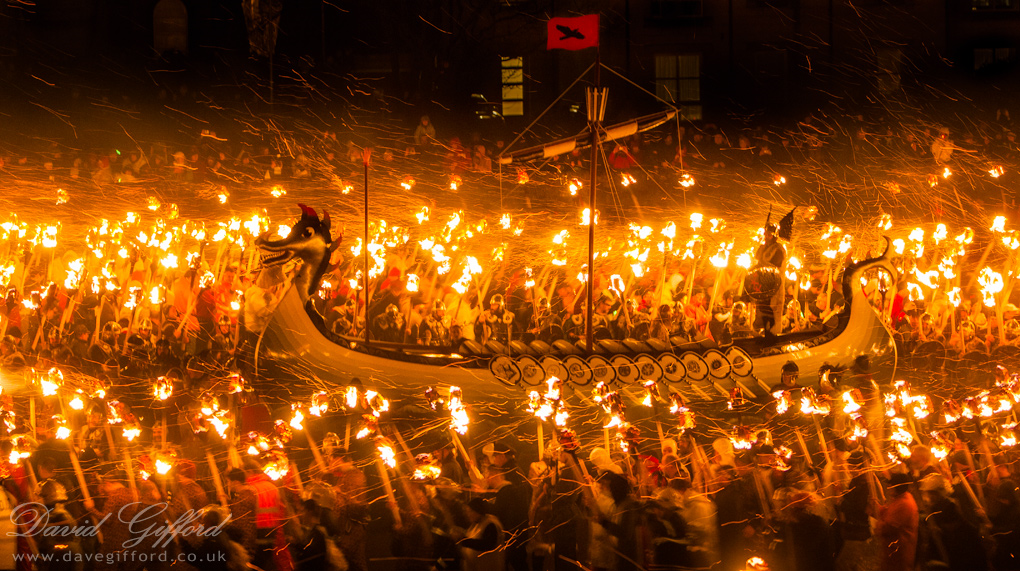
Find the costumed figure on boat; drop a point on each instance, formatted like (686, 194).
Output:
(764, 282)
(285, 340)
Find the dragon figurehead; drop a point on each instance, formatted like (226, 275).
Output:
(309, 241)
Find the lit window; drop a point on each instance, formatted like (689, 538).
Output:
(513, 86)
(678, 79)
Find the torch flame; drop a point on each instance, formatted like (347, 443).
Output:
(998, 224)
(163, 388)
(991, 284)
(459, 420)
(387, 455)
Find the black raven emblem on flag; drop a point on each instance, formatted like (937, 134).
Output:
(569, 32)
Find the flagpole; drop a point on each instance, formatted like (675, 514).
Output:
(596, 105)
(366, 158)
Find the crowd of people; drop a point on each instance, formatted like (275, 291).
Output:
(819, 140)
(671, 309)
(796, 494)
(775, 492)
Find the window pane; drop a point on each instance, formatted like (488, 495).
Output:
(513, 108)
(690, 112)
(513, 92)
(513, 76)
(666, 90)
(513, 62)
(665, 67)
(688, 90)
(689, 66)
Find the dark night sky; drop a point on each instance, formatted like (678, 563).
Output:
(447, 49)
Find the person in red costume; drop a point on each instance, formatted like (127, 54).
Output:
(897, 527)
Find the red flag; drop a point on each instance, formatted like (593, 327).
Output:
(573, 33)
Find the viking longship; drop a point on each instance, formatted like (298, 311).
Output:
(290, 343)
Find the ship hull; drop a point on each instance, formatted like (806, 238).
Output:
(294, 349)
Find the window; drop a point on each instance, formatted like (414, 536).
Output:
(986, 5)
(889, 62)
(676, 9)
(987, 57)
(513, 86)
(678, 79)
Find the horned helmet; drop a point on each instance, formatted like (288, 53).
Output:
(145, 327)
(111, 331)
(392, 312)
(438, 309)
